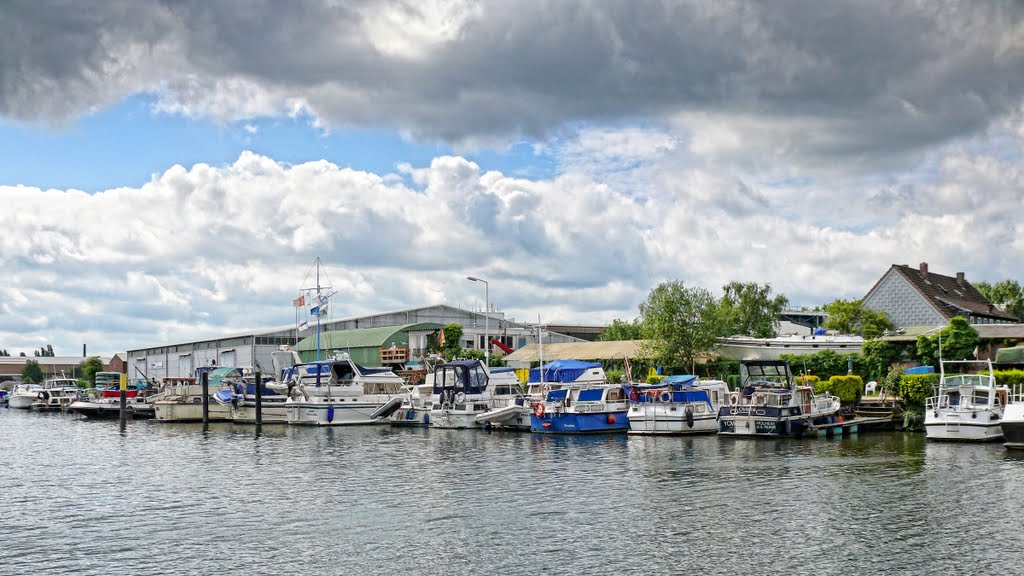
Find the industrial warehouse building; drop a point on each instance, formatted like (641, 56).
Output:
(407, 330)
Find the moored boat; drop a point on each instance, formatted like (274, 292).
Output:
(463, 390)
(1012, 422)
(578, 409)
(677, 405)
(513, 409)
(337, 392)
(967, 407)
(181, 399)
(768, 404)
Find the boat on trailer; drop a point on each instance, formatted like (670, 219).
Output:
(967, 407)
(768, 404)
(680, 404)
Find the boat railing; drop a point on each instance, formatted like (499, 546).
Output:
(1017, 395)
(970, 403)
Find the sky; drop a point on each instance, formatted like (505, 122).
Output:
(169, 171)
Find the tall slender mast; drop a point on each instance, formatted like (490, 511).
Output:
(318, 311)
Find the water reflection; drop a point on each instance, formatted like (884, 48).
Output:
(167, 498)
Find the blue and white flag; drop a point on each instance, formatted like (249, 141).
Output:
(314, 310)
(303, 325)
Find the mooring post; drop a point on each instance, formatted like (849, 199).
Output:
(259, 398)
(205, 379)
(123, 411)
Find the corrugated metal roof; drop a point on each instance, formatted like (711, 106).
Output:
(614, 350)
(360, 338)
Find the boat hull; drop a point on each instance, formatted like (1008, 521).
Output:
(1012, 425)
(108, 408)
(976, 426)
(21, 401)
(410, 418)
(573, 423)
(659, 420)
(272, 413)
(174, 411)
(327, 414)
(454, 419)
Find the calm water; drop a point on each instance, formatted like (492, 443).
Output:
(162, 498)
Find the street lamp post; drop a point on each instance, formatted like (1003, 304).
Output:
(487, 318)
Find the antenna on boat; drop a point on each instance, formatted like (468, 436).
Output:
(540, 352)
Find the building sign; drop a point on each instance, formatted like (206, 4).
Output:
(156, 365)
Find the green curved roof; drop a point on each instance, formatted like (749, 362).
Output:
(361, 337)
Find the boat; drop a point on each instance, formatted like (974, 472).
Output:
(513, 409)
(1012, 422)
(768, 404)
(337, 391)
(751, 348)
(239, 394)
(104, 401)
(967, 407)
(53, 394)
(582, 409)
(680, 404)
(463, 390)
(181, 399)
(415, 406)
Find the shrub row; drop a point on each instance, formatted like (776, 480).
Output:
(849, 389)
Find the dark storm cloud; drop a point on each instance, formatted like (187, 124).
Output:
(880, 76)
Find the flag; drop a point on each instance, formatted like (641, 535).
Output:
(314, 310)
(300, 301)
(322, 312)
(321, 299)
(303, 325)
(440, 338)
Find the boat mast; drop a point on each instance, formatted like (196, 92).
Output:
(540, 352)
(318, 309)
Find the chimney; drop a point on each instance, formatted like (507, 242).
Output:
(924, 270)
(960, 279)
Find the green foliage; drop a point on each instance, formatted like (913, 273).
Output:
(1009, 378)
(733, 380)
(914, 389)
(1007, 294)
(850, 317)
(32, 372)
(891, 384)
(805, 380)
(878, 356)
(848, 388)
(655, 378)
(621, 330)
(824, 364)
(958, 342)
(749, 309)
(452, 341)
(678, 324)
(87, 370)
(719, 368)
(614, 375)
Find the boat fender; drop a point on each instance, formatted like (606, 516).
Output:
(689, 417)
(409, 414)
(611, 418)
(974, 414)
(426, 419)
(734, 399)
(634, 395)
(538, 409)
(330, 412)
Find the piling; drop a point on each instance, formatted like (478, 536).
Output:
(259, 398)
(206, 398)
(123, 410)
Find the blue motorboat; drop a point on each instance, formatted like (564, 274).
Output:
(582, 410)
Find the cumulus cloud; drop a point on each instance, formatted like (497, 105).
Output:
(860, 80)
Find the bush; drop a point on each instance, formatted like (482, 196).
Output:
(848, 388)
(733, 380)
(654, 378)
(824, 364)
(915, 388)
(1009, 378)
(804, 380)
(614, 375)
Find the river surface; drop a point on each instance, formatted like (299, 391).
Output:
(82, 498)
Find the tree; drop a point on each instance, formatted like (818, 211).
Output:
(452, 341)
(678, 324)
(88, 369)
(879, 356)
(49, 351)
(851, 317)
(32, 372)
(958, 342)
(22, 354)
(621, 330)
(1007, 294)
(750, 310)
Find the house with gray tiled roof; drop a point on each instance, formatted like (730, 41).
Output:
(917, 297)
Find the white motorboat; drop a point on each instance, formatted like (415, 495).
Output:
(462, 392)
(337, 392)
(52, 394)
(1012, 422)
(181, 399)
(677, 405)
(967, 407)
(414, 410)
(769, 405)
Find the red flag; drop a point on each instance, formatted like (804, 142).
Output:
(300, 301)
(440, 338)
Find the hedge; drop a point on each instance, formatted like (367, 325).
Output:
(1009, 378)
(805, 380)
(849, 389)
(915, 388)
(654, 378)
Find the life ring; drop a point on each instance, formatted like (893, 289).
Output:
(634, 395)
(665, 397)
(734, 399)
(460, 396)
(538, 409)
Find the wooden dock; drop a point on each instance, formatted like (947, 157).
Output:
(847, 427)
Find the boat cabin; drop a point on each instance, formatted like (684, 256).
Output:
(466, 376)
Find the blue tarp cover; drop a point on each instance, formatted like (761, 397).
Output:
(562, 370)
(920, 370)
